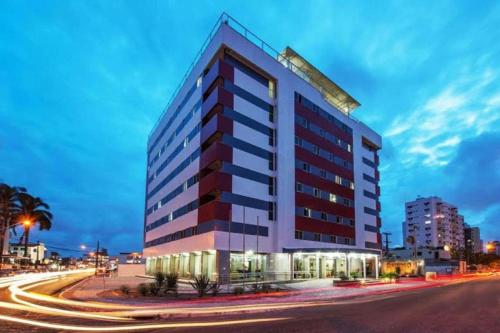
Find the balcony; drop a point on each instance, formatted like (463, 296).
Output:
(214, 210)
(216, 152)
(218, 123)
(219, 96)
(219, 69)
(215, 182)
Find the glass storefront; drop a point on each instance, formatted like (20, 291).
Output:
(186, 265)
(248, 266)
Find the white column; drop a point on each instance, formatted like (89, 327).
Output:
(347, 265)
(317, 266)
(364, 267)
(376, 267)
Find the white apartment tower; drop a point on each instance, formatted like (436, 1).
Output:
(433, 223)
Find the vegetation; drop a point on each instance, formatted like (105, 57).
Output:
(354, 275)
(201, 284)
(343, 276)
(19, 208)
(143, 289)
(160, 278)
(391, 275)
(238, 290)
(215, 288)
(125, 289)
(171, 282)
(154, 288)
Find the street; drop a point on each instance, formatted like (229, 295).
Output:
(471, 306)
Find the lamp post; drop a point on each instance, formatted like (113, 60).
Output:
(27, 226)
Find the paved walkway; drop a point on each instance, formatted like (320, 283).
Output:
(322, 289)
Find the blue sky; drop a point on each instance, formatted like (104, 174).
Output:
(83, 82)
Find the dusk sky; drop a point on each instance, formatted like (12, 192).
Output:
(83, 82)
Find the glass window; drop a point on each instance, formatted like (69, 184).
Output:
(317, 193)
(307, 212)
(324, 216)
(333, 197)
(298, 187)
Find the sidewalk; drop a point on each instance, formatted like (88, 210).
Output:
(312, 290)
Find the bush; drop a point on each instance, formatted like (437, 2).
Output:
(171, 283)
(125, 289)
(354, 275)
(159, 278)
(143, 289)
(238, 290)
(201, 284)
(343, 276)
(215, 288)
(265, 288)
(154, 289)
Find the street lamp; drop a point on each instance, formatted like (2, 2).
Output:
(27, 226)
(83, 247)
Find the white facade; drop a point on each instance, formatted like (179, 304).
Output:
(184, 232)
(433, 223)
(36, 251)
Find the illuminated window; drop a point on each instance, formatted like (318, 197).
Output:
(198, 82)
(333, 197)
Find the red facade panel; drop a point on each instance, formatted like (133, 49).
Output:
(322, 122)
(214, 210)
(307, 156)
(217, 123)
(305, 200)
(215, 181)
(312, 225)
(216, 152)
(218, 96)
(324, 185)
(322, 143)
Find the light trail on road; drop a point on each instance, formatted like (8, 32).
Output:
(18, 286)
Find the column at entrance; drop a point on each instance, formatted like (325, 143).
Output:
(376, 267)
(364, 267)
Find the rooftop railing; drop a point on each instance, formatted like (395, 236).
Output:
(251, 37)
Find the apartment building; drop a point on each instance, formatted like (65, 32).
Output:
(434, 223)
(257, 169)
(472, 239)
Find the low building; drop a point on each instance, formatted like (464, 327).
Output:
(493, 247)
(131, 258)
(36, 251)
(419, 253)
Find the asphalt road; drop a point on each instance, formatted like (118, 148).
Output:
(472, 306)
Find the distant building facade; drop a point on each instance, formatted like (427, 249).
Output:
(433, 223)
(493, 247)
(36, 251)
(473, 241)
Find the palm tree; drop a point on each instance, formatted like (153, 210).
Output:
(32, 211)
(9, 208)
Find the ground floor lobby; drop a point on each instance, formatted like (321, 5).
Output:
(250, 266)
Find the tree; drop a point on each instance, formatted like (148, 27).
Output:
(33, 210)
(9, 208)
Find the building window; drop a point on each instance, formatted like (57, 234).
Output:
(333, 197)
(316, 193)
(317, 237)
(306, 167)
(299, 234)
(315, 150)
(333, 239)
(322, 173)
(298, 141)
(298, 187)
(307, 212)
(324, 216)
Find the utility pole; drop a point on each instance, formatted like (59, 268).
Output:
(387, 242)
(97, 258)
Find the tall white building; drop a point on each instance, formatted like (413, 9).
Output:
(433, 223)
(257, 168)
